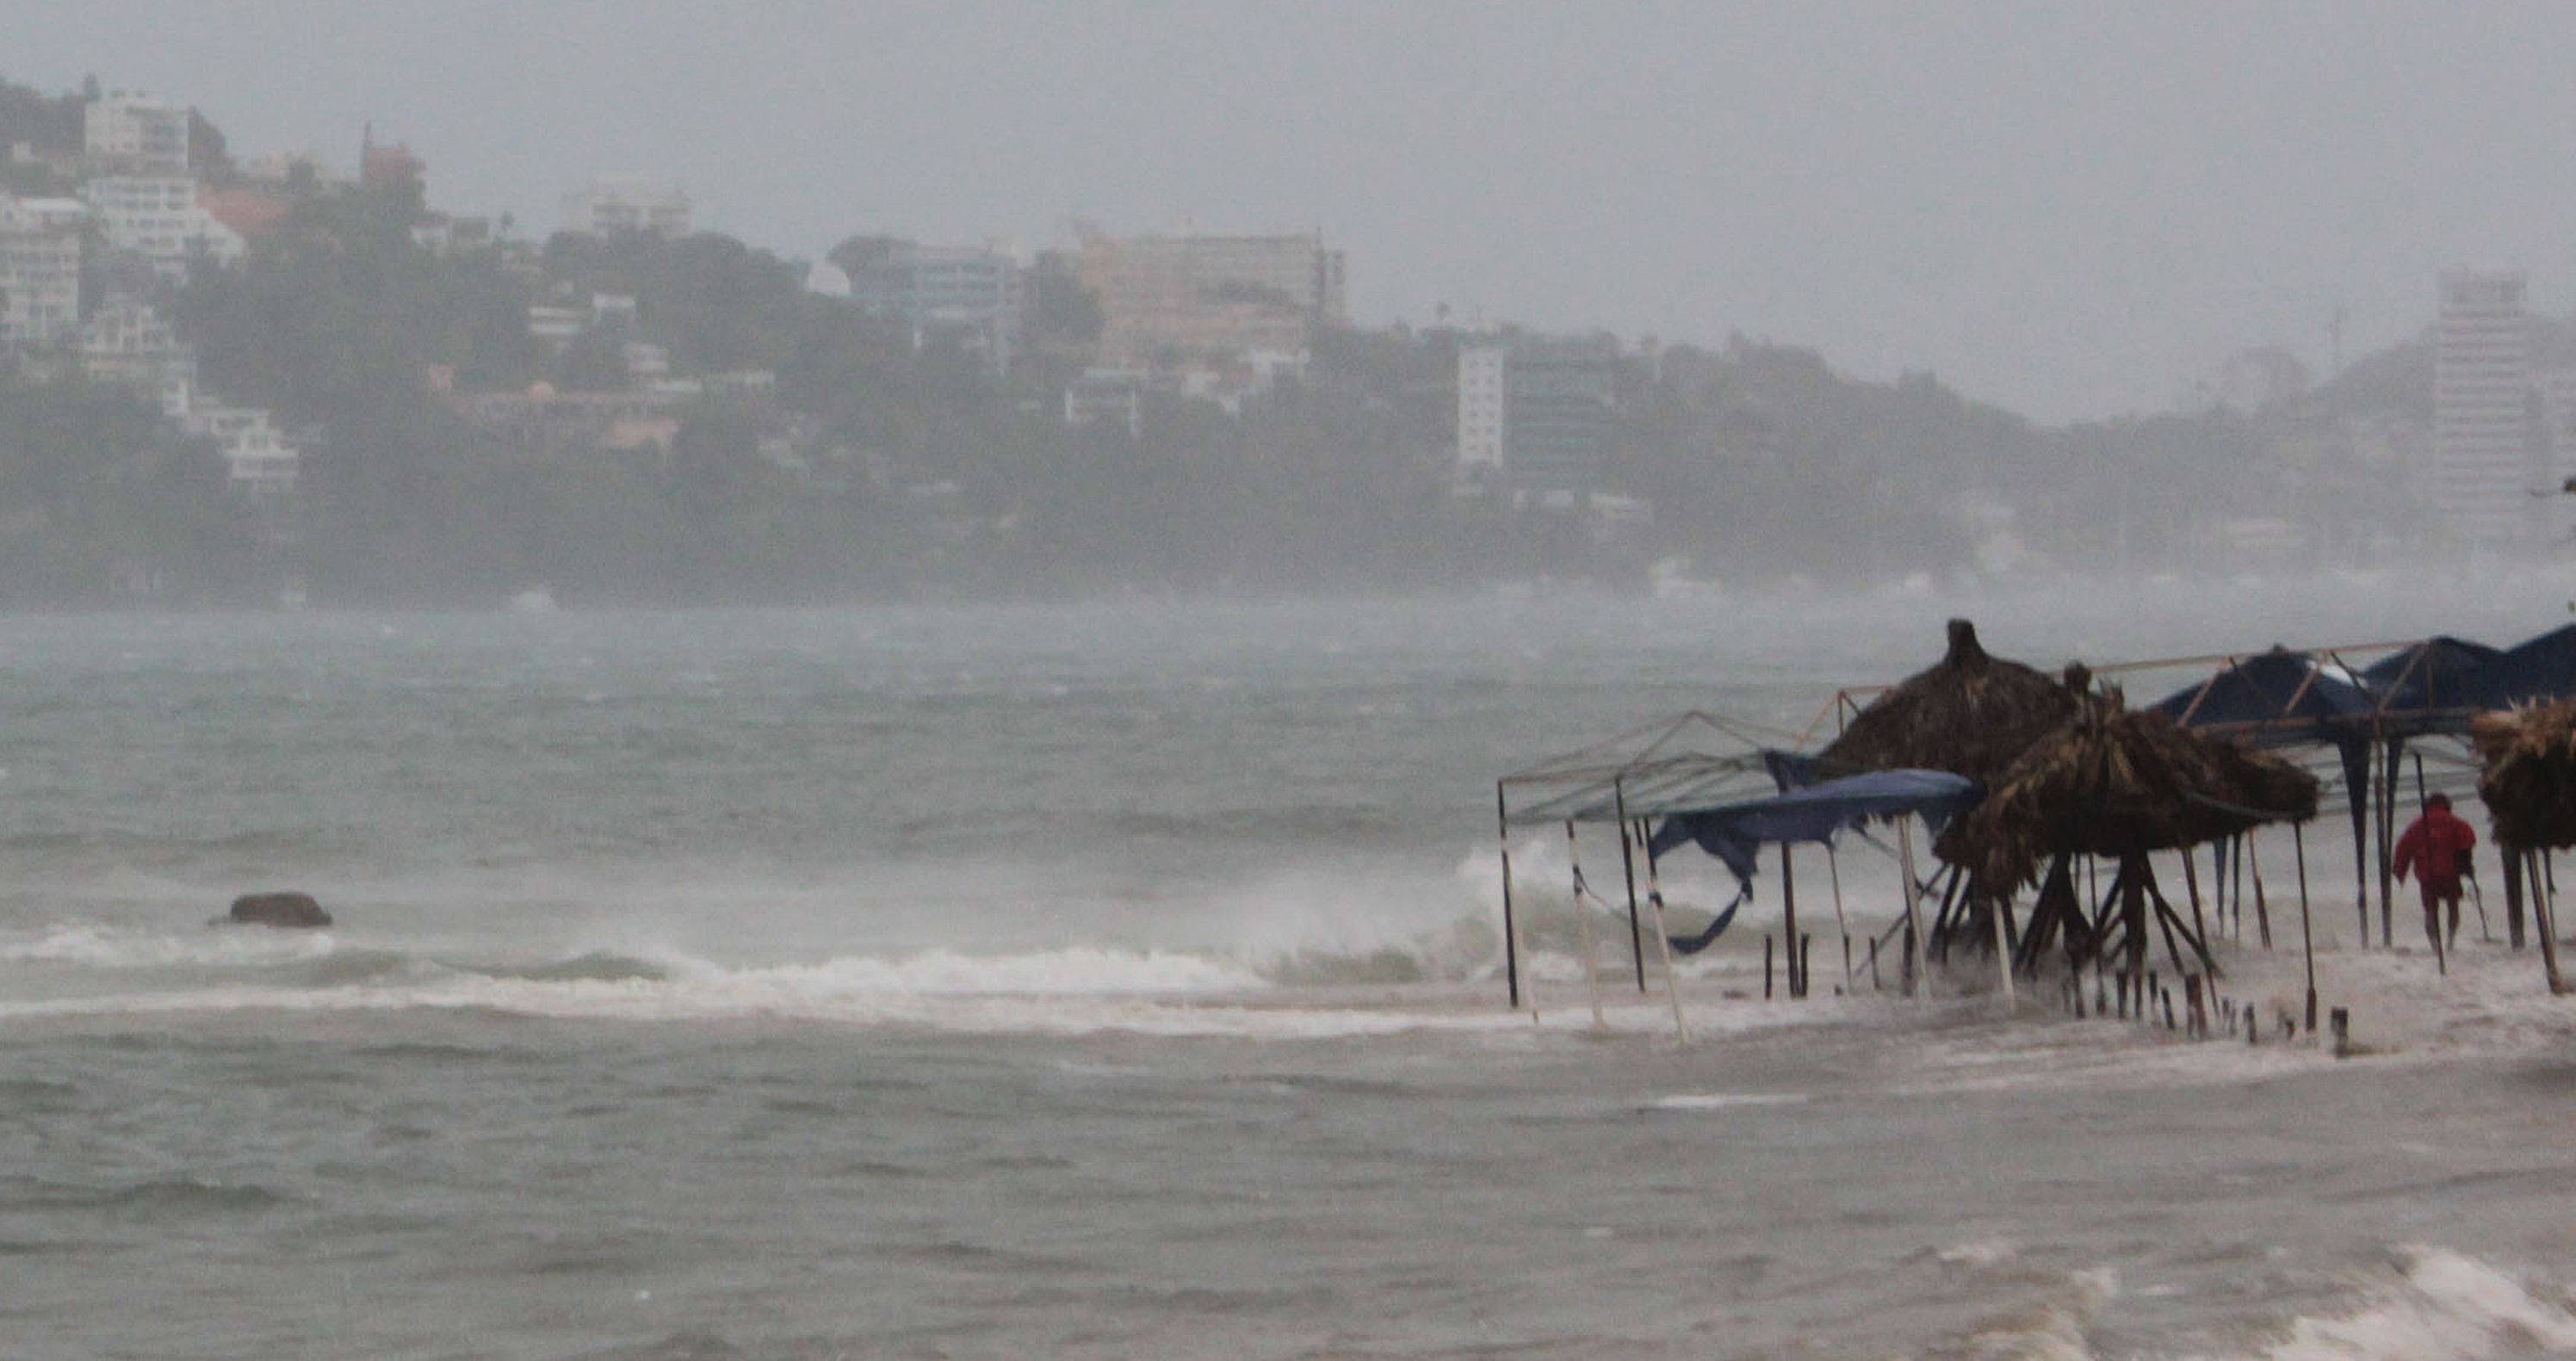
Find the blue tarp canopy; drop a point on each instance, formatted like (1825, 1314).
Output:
(2541, 668)
(2276, 698)
(1734, 832)
(2433, 685)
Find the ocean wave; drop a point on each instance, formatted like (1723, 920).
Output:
(2444, 1306)
(95, 945)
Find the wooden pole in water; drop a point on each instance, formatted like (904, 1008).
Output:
(1628, 864)
(1664, 947)
(2240, 854)
(1834, 872)
(2512, 896)
(1913, 926)
(2387, 862)
(2003, 955)
(2191, 882)
(1511, 935)
(2544, 919)
(1789, 921)
(2262, 909)
(1591, 945)
(2307, 940)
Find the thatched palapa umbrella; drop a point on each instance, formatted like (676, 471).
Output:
(1970, 714)
(2529, 785)
(2119, 784)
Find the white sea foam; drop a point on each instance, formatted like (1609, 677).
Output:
(1720, 1101)
(101, 946)
(2444, 1306)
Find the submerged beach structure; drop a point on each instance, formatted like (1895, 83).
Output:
(2027, 781)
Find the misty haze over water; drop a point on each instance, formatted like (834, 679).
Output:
(863, 823)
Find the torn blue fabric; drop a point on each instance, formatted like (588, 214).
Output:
(1736, 832)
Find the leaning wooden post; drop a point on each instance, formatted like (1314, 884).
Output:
(1834, 872)
(1511, 933)
(2191, 882)
(1583, 919)
(2003, 956)
(1789, 923)
(1913, 926)
(2387, 860)
(2262, 909)
(1628, 864)
(1664, 948)
(2512, 896)
(2307, 941)
(2544, 919)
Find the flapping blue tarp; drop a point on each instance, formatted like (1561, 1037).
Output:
(2277, 698)
(2433, 686)
(1735, 832)
(2541, 668)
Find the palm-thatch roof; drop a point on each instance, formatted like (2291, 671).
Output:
(2116, 782)
(1969, 714)
(2529, 783)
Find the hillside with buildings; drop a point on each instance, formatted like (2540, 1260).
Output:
(224, 377)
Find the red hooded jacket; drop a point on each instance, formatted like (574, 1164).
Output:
(2436, 845)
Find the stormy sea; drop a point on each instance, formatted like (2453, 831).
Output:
(1126, 980)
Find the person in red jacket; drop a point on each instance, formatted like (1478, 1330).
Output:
(2436, 846)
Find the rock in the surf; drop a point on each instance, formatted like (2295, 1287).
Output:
(278, 909)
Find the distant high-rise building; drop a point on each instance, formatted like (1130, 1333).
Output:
(131, 134)
(1185, 299)
(2485, 461)
(1533, 415)
(625, 203)
(974, 291)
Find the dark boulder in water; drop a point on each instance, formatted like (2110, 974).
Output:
(278, 909)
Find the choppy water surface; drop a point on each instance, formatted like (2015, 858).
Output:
(1120, 981)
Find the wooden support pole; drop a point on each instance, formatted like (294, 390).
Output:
(1628, 865)
(1789, 920)
(2544, 919)
(1919, 966)
(1834, 873)
(2262, 909)
(2307, 939)
(1585, 933)
(1511, 932)
(1664, 948)
(2003, 958)
(2238, 851)
(2387, 861)
(2191, 885)
(2513, 863)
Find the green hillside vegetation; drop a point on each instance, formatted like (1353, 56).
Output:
(892, 465)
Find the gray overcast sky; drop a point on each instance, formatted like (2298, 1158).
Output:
(2074, 210)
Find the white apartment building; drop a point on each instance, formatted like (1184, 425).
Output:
(627, 203)
(134, 134)
(40, 260)
(1480, 412)
(2485, 465)
(127, 342)
(1533, 414)
(159, 218)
